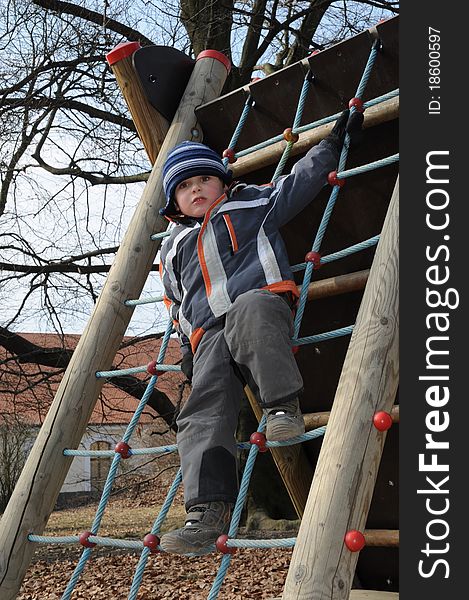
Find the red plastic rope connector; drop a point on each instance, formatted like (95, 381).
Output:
(222, 547)
(357, 103)
(229, 153)
(313, 257)
(382, 420)
(259, 440)
(332, 179)
(123, 449)
(152, 370)
(83, 539)
(354, 540)
(289, 136)
(152, 542)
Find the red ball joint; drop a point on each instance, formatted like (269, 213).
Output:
(151, 368)
(354, 540)
(357, 103)
(315, 258)
(152, 542)
(222, 547)
(84, 541)
(382, 420)
(332, 179)
(289, 136)
(229, 153)
(259, 440)
(295, 349)
(123, 449)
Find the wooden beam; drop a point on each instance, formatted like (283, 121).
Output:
(368, 595)
(342, 488)
(383, 538)
(151, 125)
(375, 115)
(373, 595)
(333, 286)
(292, 463)
(315, 420)
(43, 475)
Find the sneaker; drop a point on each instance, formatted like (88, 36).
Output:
(284, 421)
(204, 524)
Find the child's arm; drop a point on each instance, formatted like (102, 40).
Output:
(172, 299)
(309, 175)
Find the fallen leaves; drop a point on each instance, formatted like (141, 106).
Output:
(257, 574)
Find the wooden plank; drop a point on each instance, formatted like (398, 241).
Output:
(314, 420)
(368, 595)
(41, 480)
(374, 115)
(373, 595)
(342, 487)
(382, 538)
(292, 463)
(341, 284)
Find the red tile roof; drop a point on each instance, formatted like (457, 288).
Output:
(27, 389)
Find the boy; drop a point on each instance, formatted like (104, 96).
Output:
(230, 291)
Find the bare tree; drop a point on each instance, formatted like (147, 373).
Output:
(71, 165)
(14, 438)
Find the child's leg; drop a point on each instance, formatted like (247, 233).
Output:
(258, 332)
(207, 425)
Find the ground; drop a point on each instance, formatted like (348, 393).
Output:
(258, 574)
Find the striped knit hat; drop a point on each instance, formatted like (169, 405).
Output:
(186, 160)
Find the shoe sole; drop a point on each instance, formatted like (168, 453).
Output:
(177, 547)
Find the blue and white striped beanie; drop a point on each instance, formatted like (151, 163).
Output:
(185, 160)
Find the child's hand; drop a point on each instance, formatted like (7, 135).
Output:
(346, 123)
(355, 127)
(187, 365)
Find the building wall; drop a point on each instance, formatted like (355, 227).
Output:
(79, 475)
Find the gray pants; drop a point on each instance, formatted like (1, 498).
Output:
(254, 347)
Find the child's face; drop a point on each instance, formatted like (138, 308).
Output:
(194, 196)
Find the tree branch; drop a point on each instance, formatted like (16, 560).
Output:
(58, 358)
(94, 17)
(55, 268)
(63, 104)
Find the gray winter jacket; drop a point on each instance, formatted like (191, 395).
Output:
(238, 247)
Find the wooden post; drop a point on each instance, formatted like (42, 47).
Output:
(380, 113)
(292, 463)
(342, 487)
(151, 126)
(43, 475)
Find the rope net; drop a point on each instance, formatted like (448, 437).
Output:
(150, 544)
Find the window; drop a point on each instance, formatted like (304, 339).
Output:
(99, 466)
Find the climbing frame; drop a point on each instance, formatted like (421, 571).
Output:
(349, 416)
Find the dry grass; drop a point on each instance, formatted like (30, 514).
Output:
(121, 520)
